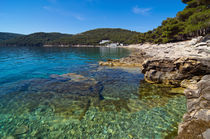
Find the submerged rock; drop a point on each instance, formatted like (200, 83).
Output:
(153, 95)
(134, 60)
(73, 77)
(21, 130)
(9, 137)
(68, 95)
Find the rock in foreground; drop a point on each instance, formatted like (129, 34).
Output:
(196, 122)
(169, 63)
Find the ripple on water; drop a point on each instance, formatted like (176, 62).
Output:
(73, 105)
(63, 93)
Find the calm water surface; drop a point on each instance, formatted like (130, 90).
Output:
(64, 93)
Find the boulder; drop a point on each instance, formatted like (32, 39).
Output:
(196, 122)
(206, 134)
(173, 72)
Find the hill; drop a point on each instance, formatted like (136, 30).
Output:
(93, 37)
(35, 39)
(193, 21)
(7, 36)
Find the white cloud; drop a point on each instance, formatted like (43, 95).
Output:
(142, 11)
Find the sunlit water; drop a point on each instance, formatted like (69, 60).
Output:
(64, 93)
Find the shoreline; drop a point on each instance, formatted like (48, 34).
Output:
(185, 64)
(182, 59)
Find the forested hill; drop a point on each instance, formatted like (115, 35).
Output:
(193, 21)
(7, 36)
(35, 39)
(93, 37)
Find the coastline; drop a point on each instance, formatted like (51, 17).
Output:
(178, 64)
(185, 64)
(168, 63)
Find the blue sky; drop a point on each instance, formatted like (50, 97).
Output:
(75, 16)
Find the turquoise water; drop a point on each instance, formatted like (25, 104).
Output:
(64, 93)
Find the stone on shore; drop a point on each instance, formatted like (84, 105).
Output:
(196, 122)
(191, 84)
(172, 72)
(179, 64)
(169, 63)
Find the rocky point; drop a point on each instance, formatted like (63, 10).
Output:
(185, 64)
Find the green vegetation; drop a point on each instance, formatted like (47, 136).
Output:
(7, 36)
(36, 39)
(193, 21)
(93, 37)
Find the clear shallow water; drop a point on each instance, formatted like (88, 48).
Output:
(63, 93)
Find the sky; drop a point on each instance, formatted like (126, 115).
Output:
(76, 16)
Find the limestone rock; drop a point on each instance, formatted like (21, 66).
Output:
(172, 72)
(206, 134)
(203, 114)
(191, 83)
(196, 123)
(201, 44)
(169, 63)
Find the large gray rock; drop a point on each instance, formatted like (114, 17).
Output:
(196, 122)
(206, 134)
(172, 72)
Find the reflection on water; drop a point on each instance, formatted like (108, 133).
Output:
(105, 51)
(19, 63)
(88, 102)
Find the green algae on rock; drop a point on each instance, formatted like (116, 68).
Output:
(21, 130)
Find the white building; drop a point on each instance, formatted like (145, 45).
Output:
(104, 41)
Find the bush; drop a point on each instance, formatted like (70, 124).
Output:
(198, 21)
(185, 14)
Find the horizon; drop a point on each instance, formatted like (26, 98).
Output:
(69, 33)
(83, 15)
